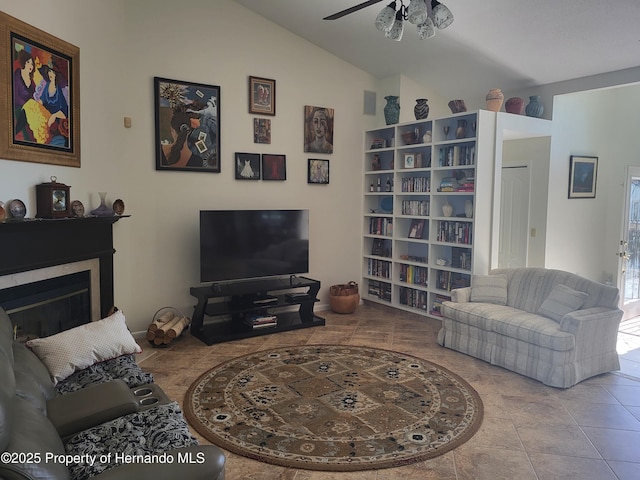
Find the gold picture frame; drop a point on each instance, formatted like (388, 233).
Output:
(41, 120)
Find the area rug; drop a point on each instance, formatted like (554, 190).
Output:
(334, 408)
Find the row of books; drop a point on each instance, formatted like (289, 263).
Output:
(454, 232)
(414, 275)
(448, 281)
(379, 268)
(381, 226)
(381, 290)
(416, 184)
(452, 156)
(452, 184)
(415, 207)
(436, 307)
(257, 321)
(413, 298)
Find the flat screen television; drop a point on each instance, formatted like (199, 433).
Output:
(249, 244)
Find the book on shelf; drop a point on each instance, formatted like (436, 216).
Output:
(261, 321)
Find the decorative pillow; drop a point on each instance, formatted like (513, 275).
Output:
(561, 301)
(489, 289)
(80, 347)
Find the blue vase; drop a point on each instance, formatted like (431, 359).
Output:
(392, 109)
(535, 107)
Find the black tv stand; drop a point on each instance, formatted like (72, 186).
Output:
(228, 305)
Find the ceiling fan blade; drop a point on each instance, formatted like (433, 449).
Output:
(355, 8)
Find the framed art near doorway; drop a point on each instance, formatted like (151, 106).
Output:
(40, 106)
(582, 176)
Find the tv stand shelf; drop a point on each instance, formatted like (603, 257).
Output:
(228, 304)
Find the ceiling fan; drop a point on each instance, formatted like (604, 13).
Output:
(350, 10)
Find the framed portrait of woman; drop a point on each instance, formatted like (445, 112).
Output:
(187, 126)
(318, 129)
(40, 108)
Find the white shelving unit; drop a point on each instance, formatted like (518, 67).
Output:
(428, 197)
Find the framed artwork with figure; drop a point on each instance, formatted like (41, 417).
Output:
(262, 96)
(318, 129)
(274, 167)
(40, 108)
(187, 117)
(247, 166)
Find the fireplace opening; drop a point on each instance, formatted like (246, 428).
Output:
(46, 307)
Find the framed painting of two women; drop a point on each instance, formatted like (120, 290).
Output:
(40, 108)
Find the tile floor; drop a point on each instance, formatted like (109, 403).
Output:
(530, 431)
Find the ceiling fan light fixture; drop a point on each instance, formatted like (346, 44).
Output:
(417, 12)
(442, 16)
(386, 18)
(397, 29)
(426, 29)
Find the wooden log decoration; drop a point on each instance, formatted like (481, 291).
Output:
(161, 320)
(176, 329)
(163, 329)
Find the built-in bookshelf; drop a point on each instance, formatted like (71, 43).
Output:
(427, 208)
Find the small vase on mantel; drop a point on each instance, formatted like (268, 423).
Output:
(447, 209)
(103, 210)
(392, 109)
(461, 129)
(421, 110)
(494, 99)
(535, 107)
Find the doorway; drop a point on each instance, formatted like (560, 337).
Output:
(629, 254)
(514, 217)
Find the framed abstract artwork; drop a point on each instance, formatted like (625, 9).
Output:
(318, 171)
(274, 167)
(582, 176)
(262, 130)
(247, 166)
(187, 121)
(40, 108)
(262, 96)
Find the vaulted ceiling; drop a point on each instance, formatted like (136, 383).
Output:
(508, 44)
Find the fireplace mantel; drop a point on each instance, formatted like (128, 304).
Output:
(37, 243)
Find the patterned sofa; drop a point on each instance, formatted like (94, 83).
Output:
(92, 423)
(550, 325)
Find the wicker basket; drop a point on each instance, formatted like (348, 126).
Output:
(344, 298)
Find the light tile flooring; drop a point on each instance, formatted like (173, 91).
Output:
(530, 431)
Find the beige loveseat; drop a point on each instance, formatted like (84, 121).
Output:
(551, 325)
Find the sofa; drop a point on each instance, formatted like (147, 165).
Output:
(63, 419)
(554, 326)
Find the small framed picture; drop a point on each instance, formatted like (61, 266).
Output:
(262, 130)
(318, 171)
(409, 160)
(274, 167)
(247, 166)
(582, 176)
(262, 96)
(416, 229)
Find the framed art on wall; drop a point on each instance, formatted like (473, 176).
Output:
(318, 129)
(262, 130)
(40, 108)
(318, 171)
(274, 167)
(247, 166)
(187, 118)
(582, 176)
(262, 96)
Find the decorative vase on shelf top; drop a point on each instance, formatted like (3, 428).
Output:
(494, 99)
(392, 109)
(421, 110)
(461, 129)
(514, 105)
(103, 210)
(535, 107)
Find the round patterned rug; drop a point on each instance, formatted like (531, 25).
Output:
(342, 408)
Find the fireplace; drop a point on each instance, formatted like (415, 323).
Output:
(56, 274)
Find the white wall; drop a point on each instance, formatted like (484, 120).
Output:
(123, 45)
(583, 234)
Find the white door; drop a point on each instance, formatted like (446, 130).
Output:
(514, 217)
(629, 265)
